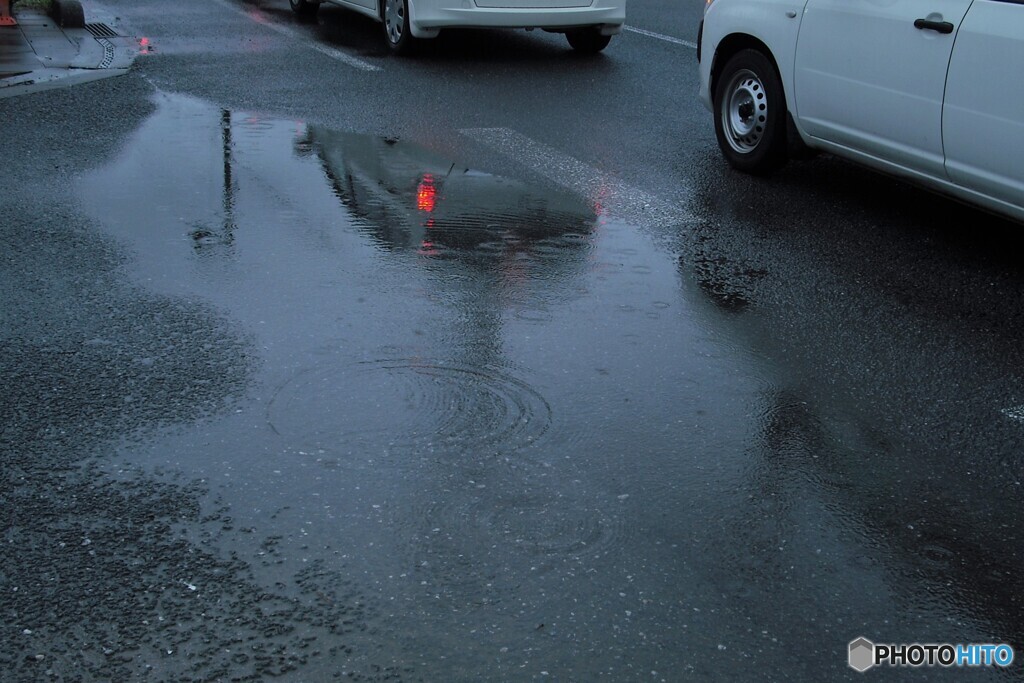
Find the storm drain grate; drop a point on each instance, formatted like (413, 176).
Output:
(101, 30)
(108, 53)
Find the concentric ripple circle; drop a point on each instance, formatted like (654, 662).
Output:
(395, 406)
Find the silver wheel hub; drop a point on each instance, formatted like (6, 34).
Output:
(394, 19)
(744, 111)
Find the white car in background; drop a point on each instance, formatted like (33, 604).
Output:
(587, 24)
(928, 90)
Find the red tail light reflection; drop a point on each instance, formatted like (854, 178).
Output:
(426, 194)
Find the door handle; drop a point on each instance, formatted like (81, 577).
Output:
(929, 25)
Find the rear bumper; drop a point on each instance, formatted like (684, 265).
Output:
(425, 16)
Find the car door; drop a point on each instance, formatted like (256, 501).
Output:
(870, 75)
(983, 113)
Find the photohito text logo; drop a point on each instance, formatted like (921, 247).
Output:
(864, 654)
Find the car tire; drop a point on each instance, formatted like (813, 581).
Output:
(588, 41)
(305, 8)
(395, 18)
(750, 113)
(68, 14)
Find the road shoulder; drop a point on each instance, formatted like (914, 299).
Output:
(38, 53)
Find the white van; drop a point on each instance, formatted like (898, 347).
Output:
(588, 24)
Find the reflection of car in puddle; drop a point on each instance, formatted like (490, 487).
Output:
(411, 198)
(494, 248)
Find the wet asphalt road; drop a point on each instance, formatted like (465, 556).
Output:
(482, 366)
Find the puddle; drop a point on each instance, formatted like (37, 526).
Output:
(443, 407)
(486, 406)
(440, 348)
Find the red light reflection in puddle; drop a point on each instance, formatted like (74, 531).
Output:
(426, 194)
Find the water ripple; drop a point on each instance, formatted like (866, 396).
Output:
(394, 408)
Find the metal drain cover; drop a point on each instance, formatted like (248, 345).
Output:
(101, 30)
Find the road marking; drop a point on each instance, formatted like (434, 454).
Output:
(662, 36)
(1014, 413)
(613, 196)
(255, 15)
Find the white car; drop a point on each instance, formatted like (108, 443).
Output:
(407, 195)
(927, 90)
(588, 24)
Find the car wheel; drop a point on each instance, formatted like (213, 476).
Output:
(304, 8)
(587, 40)
(750, 113)
(399, 38)
(69, 14)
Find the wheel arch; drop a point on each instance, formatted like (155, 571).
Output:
(415, 29)
(737, 42)
(798, 143)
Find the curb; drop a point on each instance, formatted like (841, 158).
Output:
(59, 49)
(55, 79)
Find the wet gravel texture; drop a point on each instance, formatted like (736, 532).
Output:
(122, 574)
